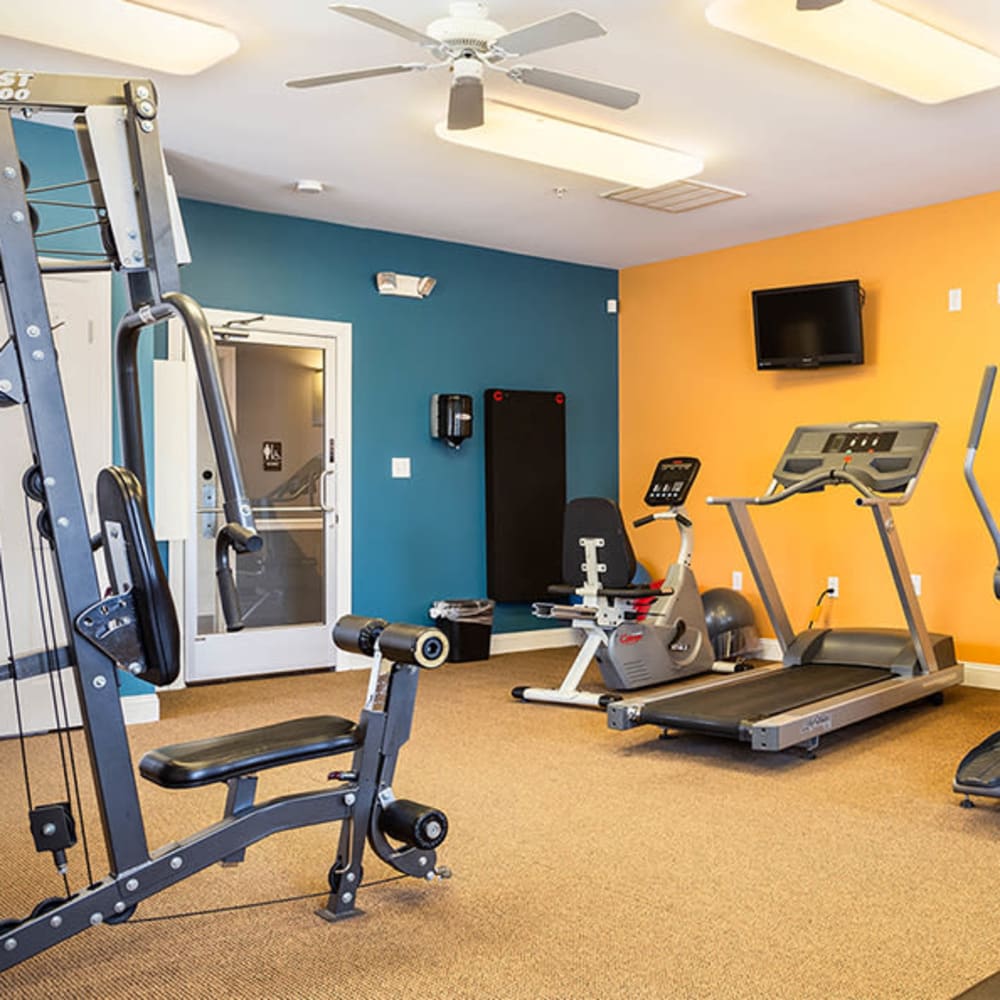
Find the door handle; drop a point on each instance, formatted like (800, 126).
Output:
(323, 480)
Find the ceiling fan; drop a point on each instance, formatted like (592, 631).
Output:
(469, 43)
(814, 4)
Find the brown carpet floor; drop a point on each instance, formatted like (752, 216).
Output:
(587, 863)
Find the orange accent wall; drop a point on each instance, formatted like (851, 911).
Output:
(689, 385)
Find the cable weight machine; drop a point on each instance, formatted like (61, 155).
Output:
(134, 628)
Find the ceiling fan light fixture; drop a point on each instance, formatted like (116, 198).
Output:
(517, 132)
(123, 31)
(868, 39)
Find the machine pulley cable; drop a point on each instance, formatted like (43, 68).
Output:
(46, 644)
(57, 674)
(57, 690)
(255, 905)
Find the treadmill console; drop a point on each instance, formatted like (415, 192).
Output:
(884, 456)
(672, 482)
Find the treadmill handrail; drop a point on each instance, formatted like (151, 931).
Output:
(827, 477)
(879, 504)
(975, 432)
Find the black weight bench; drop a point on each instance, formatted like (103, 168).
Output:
(139, 626)
(222, 758)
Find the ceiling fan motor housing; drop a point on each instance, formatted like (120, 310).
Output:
(467, 69)
(467, 27)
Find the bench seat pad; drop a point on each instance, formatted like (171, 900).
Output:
(219, 758)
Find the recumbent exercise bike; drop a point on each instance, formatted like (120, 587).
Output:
(640, 635)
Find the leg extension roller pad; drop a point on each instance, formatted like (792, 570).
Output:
(424, 646)
(414, 824)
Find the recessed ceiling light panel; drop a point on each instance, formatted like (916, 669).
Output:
(868, 39)
(529, 135)
(123, 31)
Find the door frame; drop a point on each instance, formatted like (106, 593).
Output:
(173, 414)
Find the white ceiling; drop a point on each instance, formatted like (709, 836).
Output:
(810, 146)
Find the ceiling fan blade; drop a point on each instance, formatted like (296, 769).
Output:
(559, 30)
(814, 4)
(575, 86)
(377, 20)
(355, 74)
(465, 104)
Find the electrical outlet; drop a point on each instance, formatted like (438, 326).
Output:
(918, 582)
(954, 299)
(833, 586)
(737, 580)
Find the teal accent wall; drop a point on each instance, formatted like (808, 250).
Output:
(494, 319)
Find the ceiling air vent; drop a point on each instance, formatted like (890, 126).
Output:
(676, 197)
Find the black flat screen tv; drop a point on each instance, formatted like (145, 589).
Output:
(807, 326)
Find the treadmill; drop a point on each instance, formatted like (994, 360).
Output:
(828, 678)
(979, 771)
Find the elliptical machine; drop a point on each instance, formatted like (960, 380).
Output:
(978, 772)
(640, 635)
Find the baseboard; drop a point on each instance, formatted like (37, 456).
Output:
(542, 638)
(141, 708)
(352, 661)
(982, 675)
(769, 649)
(977, 675)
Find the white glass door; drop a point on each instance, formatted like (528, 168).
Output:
(281, 390)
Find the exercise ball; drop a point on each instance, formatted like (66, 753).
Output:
(730, 622)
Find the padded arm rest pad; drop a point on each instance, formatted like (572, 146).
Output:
(636, 591)
(201, 762)
(632, 592)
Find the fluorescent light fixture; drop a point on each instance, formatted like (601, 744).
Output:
(870, 40)
(122, 31)
(529, 135)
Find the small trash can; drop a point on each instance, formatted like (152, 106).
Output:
(468, 625)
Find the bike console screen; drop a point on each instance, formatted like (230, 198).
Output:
(672, 481)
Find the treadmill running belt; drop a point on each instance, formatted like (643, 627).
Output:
(724, 710)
